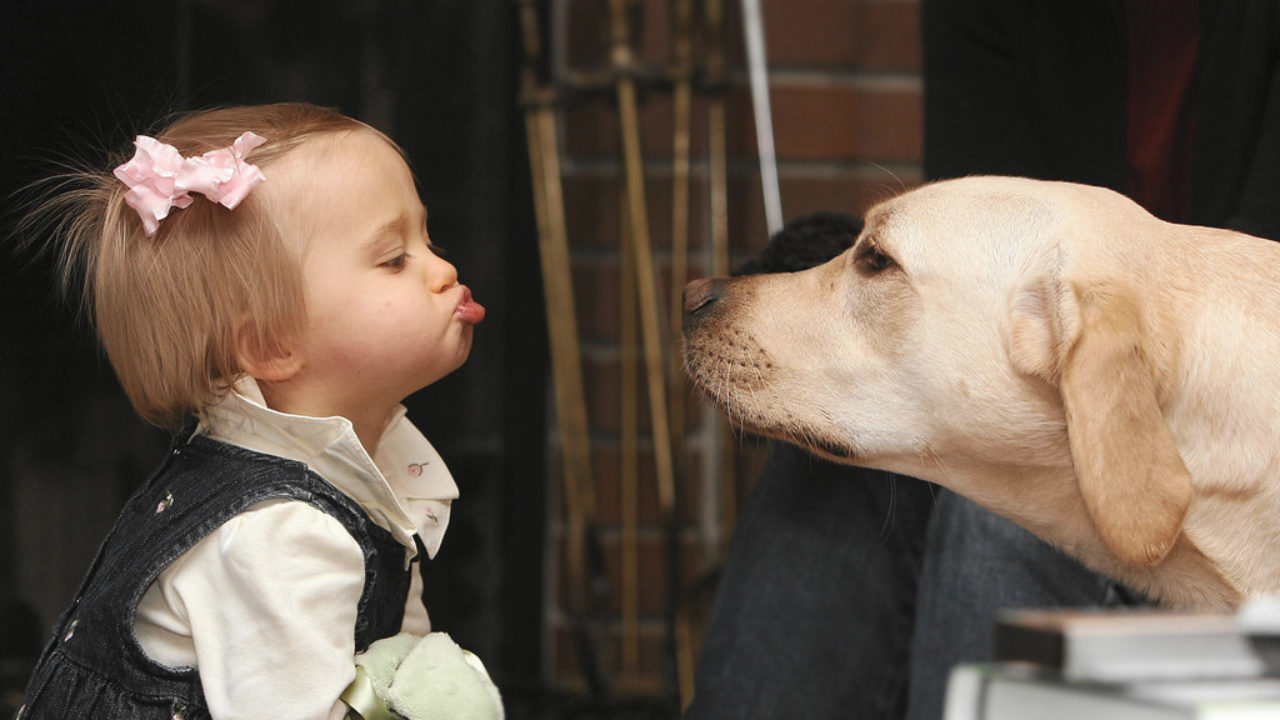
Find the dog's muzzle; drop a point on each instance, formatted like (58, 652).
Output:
(699, 297)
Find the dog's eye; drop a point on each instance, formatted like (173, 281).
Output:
(869, 259)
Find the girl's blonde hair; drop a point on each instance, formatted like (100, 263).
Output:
(167, 307)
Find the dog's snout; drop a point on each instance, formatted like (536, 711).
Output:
(699, 294)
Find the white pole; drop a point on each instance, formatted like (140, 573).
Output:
(753, 27)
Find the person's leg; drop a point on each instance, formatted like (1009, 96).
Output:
(975, 564)
(813, 613)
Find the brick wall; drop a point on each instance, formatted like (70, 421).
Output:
(845, 86)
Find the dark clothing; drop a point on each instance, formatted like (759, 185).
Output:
(977, 563)
(815, 602)
(1164, 40)
(94, 666)
(831, 571)
(1038, 88)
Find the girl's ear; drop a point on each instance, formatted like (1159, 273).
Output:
(263, 358)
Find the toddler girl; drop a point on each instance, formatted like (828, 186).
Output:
(263, 284)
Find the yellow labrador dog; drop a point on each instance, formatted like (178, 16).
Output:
(1052, 351)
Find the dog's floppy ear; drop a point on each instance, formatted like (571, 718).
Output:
(1089, 342)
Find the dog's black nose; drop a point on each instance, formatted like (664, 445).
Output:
(699, 294)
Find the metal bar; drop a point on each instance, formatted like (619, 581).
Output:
(717, 79)
(757, 70)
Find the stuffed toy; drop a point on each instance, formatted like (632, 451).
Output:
(407, 677)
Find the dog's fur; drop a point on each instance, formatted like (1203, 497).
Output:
(1107, 380)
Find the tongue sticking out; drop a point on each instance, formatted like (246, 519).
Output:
(470, 311)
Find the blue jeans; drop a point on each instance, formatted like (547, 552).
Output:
(850, 593)
(975, 564)
(813, 614)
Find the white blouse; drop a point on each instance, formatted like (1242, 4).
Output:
(265, 605)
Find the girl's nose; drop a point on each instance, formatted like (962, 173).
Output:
(441, 274)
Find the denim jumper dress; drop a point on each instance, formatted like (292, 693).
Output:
(94, 667)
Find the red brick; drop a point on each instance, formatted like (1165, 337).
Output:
(590, 38)
(593, 208)
(651, 549)
(602, 378)
(598, 299)
(747, 457)
(607, 473)
(803, 193)
(592, 129)
(864, 34)
(871, 34)
(592, 211)
(836, 121)
(844, 122)
(591, 203)
(850, 193)
(606, 644)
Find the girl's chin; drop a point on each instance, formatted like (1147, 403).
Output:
(440, 373)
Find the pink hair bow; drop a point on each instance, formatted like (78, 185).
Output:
(160, 179)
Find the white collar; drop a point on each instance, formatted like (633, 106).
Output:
(405, 488)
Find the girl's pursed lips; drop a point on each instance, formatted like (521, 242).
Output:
(469, 310)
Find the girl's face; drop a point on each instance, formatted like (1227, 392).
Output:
(385, 315)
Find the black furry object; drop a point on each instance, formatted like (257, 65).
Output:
(804, 243)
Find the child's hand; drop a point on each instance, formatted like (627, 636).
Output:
(429, 678)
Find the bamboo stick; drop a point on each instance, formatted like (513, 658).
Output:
(682, 102)
(629, 433)
(646, 286)
(570, 402)
(717, 79)
(646, 276)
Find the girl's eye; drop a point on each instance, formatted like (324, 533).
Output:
(396, 262)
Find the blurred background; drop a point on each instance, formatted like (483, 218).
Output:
(583, 552)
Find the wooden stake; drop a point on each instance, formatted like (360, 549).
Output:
(629, 434)
(717, 79)
(646, 276)
(570, 402)
(682, 102)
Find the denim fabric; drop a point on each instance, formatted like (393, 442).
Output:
(94, 666)
(813, 614)
(850, 593)
(977, 563)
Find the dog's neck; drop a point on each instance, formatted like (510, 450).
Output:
(1047, 502)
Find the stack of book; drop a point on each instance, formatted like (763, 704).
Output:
(1128, 664)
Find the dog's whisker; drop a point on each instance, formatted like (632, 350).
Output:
(887, 525)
